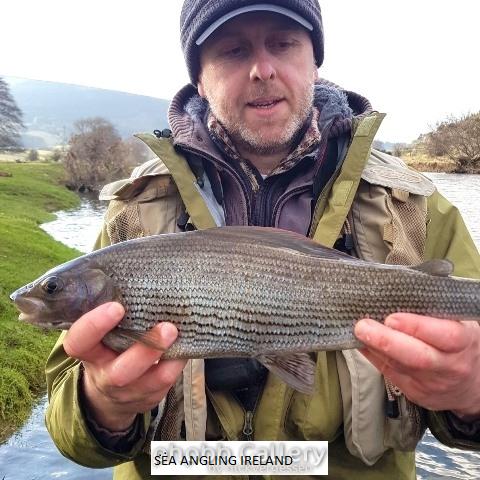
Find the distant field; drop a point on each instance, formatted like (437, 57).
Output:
(22, 156)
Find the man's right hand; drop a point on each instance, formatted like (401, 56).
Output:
(119, 386)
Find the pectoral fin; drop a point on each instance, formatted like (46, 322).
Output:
(297, 370)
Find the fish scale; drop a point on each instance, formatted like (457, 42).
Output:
(246, 291)
(301, 309)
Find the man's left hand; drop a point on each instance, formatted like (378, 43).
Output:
(435, 362)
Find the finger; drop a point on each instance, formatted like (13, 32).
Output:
(136, 360)
(407, 351)
(383, 363)
(83, 339)
(165, 373)
(400, 379)
(156, 382)
(447, 335)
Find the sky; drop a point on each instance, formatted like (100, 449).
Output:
(416, 60)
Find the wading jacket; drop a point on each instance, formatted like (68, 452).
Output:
(345, 195)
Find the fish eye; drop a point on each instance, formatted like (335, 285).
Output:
(52, 285)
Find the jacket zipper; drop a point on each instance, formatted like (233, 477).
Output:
(393, 399)
(248, 425)
(259, 211)
(248, 430)
(284, 199)
(245, 198)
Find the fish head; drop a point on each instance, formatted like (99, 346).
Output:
(62, 295)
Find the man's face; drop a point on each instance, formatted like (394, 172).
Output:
(258, 73)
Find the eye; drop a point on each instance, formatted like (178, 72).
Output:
(52, 285)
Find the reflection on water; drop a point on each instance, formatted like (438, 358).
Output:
(31, 455)
(464, 192)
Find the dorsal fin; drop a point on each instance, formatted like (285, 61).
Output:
(437, 268)
(276, 238)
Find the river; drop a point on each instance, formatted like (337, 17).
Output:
(30, 454)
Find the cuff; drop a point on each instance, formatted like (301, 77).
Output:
(468, 430)
(454, 432)
(120, 442)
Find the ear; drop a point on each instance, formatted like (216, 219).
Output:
(315, 72)
(200, 88)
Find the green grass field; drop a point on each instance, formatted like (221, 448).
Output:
(26, 200)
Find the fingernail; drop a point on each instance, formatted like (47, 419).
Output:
(363, 329)
(115, 311)
(169, 332)
(392, 322)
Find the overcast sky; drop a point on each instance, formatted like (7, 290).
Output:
(416, 60)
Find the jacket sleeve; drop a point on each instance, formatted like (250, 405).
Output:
(65, 418)
(448, 237)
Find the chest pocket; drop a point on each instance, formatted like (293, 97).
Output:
(150, 209)
(388, 219)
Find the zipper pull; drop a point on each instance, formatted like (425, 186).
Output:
(248, 425)
(393, 394)
(348, 236)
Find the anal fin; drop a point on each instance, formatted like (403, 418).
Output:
(297, 370)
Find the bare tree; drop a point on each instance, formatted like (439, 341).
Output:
(32, 155)
(96, 154)
(458, 139)
(10, 118)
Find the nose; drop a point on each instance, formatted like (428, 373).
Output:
(263, 67)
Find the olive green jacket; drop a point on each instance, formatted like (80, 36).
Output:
(346, 408)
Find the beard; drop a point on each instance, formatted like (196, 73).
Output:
(251, 140)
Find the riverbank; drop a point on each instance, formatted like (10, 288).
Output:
(424, 163)
(27, 198)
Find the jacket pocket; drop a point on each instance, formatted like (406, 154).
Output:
(318, 416)
(153, 211)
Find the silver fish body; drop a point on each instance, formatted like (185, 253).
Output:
(243, 291)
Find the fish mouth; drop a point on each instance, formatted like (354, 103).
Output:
(34, 319)
(29, 306)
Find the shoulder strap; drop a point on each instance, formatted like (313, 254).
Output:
(333, 207)
(184, 179)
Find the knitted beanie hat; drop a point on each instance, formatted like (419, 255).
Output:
(200, 18)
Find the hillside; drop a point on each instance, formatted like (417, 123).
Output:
(50, 109)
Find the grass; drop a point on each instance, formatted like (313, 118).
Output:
(27, 199)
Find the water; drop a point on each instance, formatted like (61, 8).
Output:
(31, 455)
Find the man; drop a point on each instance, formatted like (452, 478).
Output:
(260, 140)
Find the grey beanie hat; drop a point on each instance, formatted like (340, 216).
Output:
(199, 18)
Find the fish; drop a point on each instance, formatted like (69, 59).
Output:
(257, 292)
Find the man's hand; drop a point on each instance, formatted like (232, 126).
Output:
(119, 386)
(435, 362)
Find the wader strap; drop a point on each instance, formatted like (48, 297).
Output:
(184, 179)
(337, 202)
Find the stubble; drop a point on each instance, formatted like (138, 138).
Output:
(253, 141)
